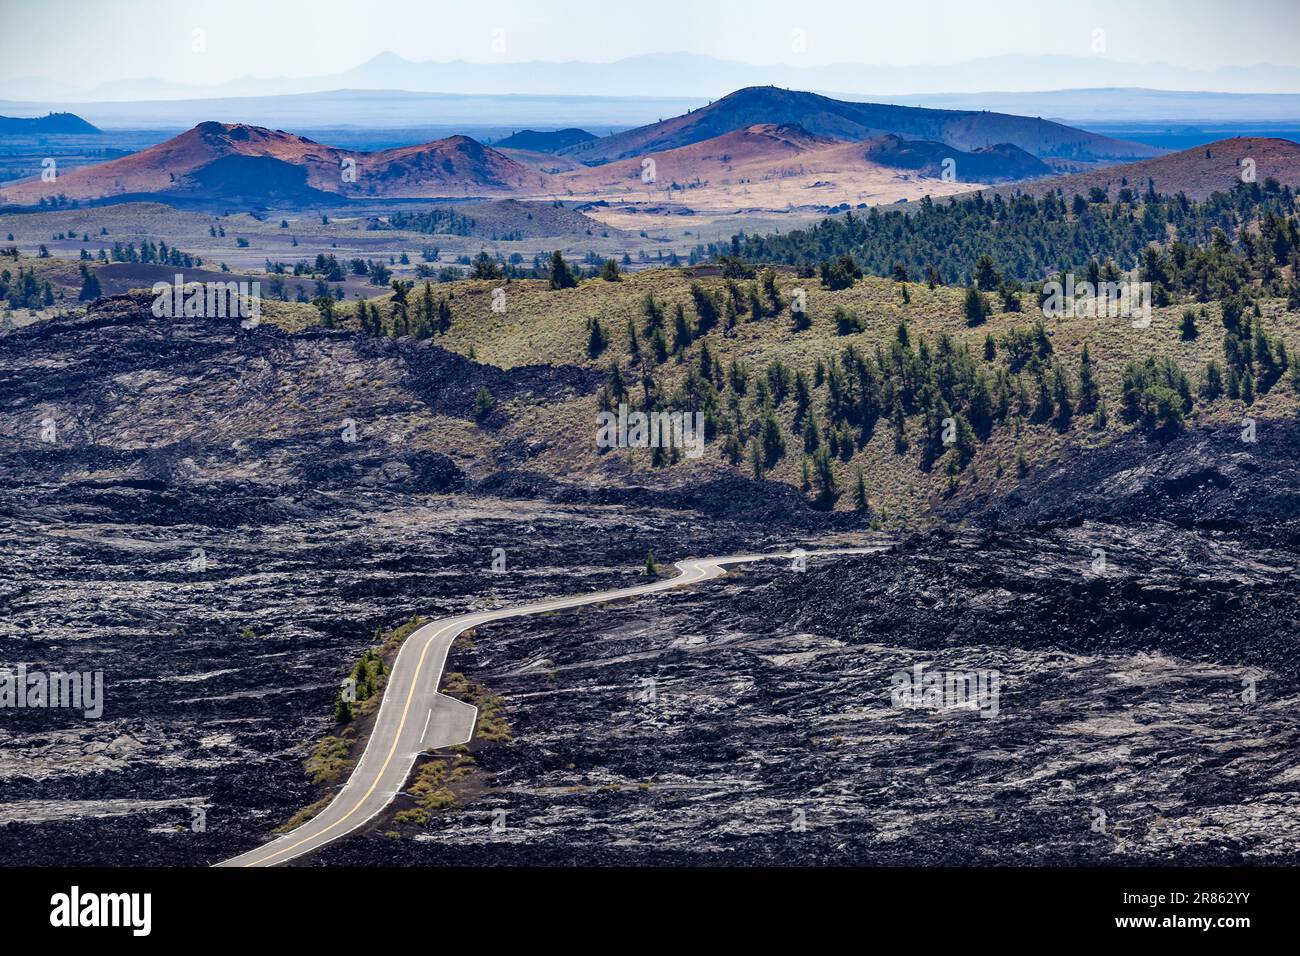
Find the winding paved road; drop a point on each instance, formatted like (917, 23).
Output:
(414, 717)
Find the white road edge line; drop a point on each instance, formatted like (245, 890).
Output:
(462, 623)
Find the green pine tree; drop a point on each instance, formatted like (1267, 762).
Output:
(562, 276)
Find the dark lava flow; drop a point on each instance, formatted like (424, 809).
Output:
(223, 558)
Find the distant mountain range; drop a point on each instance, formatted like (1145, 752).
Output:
(695, 75)
(728, 153)
(1110, 105)
(376, 109)
(507, 113)
(61, 123)
(758, 134)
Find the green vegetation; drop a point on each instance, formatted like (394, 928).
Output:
(492, 725)
(370, 673)
(869, 377)
(597, 341)
(392, 639)
(90, 288)
(982, 240)
(434, 222)
(562, 277)
(916, 364)
(329, 760)
(1156, 394)
(24, 290)
(975, 307)
(303, 815)
(435, 788)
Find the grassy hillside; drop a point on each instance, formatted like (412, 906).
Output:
(908, 477)
(900, 381)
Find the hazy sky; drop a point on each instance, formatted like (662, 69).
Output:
(84, 42)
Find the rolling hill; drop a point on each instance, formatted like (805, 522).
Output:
(53, 123)
(738, 152)
(539, 162)
(986, 164)
(441, 168)
(766, 166)
(551, 141)
(762, 167)
(760, 148)
(824, 116)
(776, 166)
(497, 219)
(1198, 172)
(221, 159)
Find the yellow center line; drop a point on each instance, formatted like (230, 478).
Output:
(396, 737)
(682, 578)
(487, 616)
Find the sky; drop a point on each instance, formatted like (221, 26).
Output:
(85, 42)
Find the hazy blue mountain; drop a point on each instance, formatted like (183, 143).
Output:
(687, 74)
(1111, 105)
(66, 123)
(551, 141)
(694, 75)
(378, 109)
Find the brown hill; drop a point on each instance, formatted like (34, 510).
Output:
(167, 166)
(540, 162)
(762, 167)
(824, 116)
(927, 158)
(774, 166)
(743, 153)
(498, 219)
(456, 165)
(1198, 172)
(238, 160)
